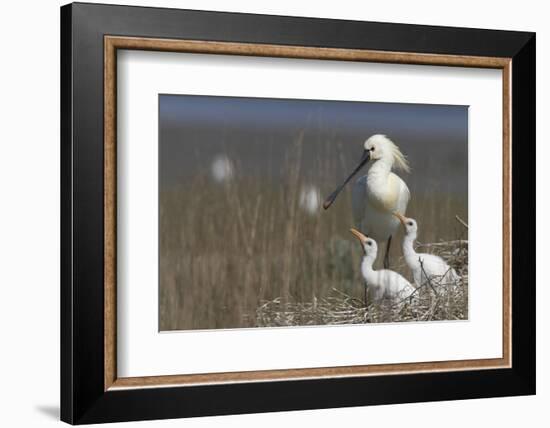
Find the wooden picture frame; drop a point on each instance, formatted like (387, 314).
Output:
(91, 390)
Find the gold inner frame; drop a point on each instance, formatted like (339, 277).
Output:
(113, 43)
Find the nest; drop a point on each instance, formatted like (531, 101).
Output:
(433, 300)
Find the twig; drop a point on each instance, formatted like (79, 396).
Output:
(427, 277)
(410, 296)
(462, 222)
(443, 243)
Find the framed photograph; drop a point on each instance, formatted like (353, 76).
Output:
(266, 213)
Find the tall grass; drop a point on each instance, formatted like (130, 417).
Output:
(228, 248)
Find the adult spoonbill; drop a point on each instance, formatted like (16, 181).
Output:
(424, 266)
(380, 284)
(378, 193)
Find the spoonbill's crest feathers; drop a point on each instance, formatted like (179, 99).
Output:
(386, 145)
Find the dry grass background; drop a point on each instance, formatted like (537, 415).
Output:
(243, 253)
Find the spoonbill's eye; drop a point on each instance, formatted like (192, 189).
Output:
(372, 150)
(369, 243)
(410, 223)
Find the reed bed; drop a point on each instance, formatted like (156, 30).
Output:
(246, 252)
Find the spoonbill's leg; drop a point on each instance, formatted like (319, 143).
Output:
(387, 255)
(366, 295)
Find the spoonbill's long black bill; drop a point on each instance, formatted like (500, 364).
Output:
(364, 159)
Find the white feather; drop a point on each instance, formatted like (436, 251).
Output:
(374, 199)
(380, 193)
(382, 284)
(425, 266)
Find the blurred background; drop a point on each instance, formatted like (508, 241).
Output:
(241, 186)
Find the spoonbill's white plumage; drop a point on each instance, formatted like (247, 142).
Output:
(379, 193)
(380, 284)
(424, 266)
